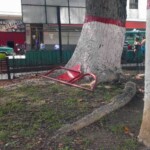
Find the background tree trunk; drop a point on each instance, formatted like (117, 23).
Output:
(144, 135)
(101, 42)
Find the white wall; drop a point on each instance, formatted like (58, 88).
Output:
(137, 14)
(142, 9)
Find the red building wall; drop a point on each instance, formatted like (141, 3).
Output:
(135, 25)
(15, 37)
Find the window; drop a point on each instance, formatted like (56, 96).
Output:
(133, 4)
(37, 35)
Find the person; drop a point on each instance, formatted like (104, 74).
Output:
(56, 47)
(36, 44)
(143, 45)
(137, 48)
(42, 46)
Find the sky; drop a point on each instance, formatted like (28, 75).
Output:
(10, 7)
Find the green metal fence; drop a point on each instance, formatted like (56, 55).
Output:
(44, 60)
(51, 57)
(130, 57)
(41, 58)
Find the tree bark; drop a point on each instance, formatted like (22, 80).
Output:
(144, 134)
(101, 42)
(117, 102)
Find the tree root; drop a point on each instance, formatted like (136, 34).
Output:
(117, 102)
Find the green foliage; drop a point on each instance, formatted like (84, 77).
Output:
(129, 144)
(117, 129)
(70, 102)
(2, 92)
(66, 148)
(4, 135)
(55, 88)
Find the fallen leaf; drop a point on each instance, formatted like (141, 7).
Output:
(60, 145)
(131, 134)
(1, 142)
(80, 100)
(15, 136)
(126, 130)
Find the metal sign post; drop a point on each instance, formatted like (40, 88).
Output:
(59, 32)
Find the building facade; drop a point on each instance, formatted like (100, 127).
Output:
(60, 22)
(12, 31)
(136, 14)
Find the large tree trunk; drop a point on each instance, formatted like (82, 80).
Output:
(144, 135)
(101, 42)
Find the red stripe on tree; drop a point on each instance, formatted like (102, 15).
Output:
(103, 20)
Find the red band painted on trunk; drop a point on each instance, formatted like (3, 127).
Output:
(148, 4)
(103, 20)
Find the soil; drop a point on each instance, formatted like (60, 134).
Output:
(116, 131)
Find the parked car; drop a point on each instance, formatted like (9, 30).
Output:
(6, 50)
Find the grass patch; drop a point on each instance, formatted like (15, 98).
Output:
(31, 112)
(117, 129)
(2, 92)
(129, 144)
(4, 135)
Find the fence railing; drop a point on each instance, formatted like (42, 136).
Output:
(40, 58)
(44, 60)
(4, 69)
(34, 61)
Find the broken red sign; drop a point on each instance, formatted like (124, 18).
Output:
(70, 74)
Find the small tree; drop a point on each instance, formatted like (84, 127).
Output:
(144, 135)
(100, 46)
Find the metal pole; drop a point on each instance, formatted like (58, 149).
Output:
(59, 32)
(45, 13)
(8, 68)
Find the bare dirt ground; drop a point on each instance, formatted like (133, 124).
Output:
(116, 131)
